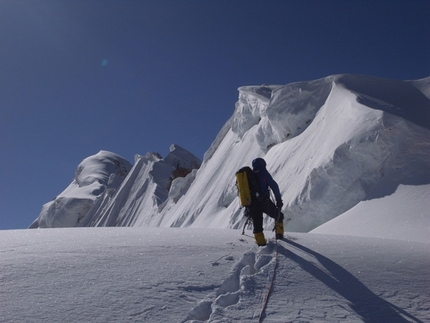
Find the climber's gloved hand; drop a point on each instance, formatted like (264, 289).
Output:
(279, 204)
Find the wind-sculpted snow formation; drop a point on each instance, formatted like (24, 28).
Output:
(95, 176)
(329, 143)
(107, 188)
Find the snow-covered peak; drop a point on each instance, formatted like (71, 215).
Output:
(329, 143)
(179, 157)
(100, 169)
(106, 186)
(95, 176)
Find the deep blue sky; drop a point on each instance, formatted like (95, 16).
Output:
(130, 76)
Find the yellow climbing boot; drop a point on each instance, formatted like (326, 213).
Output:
(279, 230)
(260, 239)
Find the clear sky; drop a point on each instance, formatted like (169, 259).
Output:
(132, 76)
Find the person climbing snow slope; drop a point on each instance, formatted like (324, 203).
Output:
(264, 204)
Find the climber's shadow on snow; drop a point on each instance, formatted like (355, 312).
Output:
(369, 306)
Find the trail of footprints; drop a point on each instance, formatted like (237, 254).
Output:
(239, 282)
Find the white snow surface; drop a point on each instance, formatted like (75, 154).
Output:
(95, 176)
(137, 274)
(402, 215)
(351, 156)
(330, 144)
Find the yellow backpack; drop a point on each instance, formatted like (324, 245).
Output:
(247, 186)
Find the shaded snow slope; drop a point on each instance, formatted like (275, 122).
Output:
(193, 275)
(404, 215)
(423, 85)
(329, 143)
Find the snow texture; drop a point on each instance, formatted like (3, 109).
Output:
(194, 275)
(351, 156)
(95, 176)
(330, 143)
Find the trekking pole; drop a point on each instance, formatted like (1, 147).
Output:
(244, 226)
(277, 219)
(248, 221)
(272, 197)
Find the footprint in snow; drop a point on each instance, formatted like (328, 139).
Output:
(238, 282)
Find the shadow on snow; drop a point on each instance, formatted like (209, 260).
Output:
(370, 307)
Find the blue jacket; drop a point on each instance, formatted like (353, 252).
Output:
(266, 180)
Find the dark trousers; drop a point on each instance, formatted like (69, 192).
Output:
(256, 210)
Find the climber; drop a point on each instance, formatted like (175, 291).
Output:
(264, 204)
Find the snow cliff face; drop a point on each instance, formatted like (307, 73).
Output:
(329, 143)
(142, 195)
(109, 191)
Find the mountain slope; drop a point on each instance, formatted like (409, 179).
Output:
(327, 150)
(401, 215)
(109, 191)
(329, 143)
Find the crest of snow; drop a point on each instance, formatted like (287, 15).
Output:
(327, 149)
(95, 176)
(329, 143)
(145, 189)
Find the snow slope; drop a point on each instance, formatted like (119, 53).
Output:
(194, 275)
(402, 215)
(330, 143)
(349, 152)
(325, 147)
(106, 187)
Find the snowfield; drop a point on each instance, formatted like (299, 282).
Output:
(160, 240)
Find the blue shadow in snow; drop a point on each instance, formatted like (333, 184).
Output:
(370, 307)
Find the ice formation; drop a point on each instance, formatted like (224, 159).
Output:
(329, 143)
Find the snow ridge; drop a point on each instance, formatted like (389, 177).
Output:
(330, 144)
(109, 191)
(327, 149)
